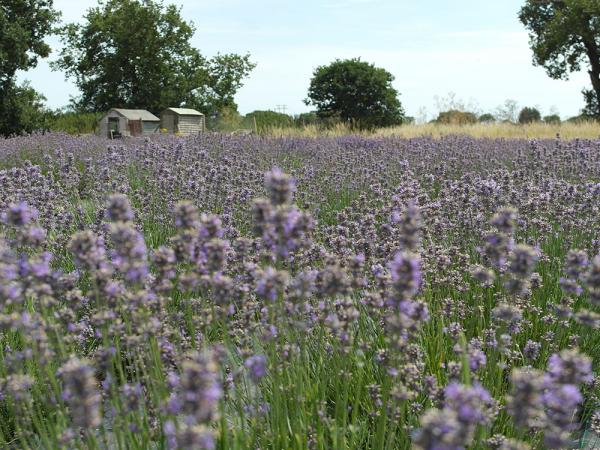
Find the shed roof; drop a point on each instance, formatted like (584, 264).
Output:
(185, 111)
(137, 114)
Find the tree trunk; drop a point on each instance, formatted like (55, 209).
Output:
(595, 77)
(593, 54)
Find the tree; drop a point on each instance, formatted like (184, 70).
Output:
(529, 115)
(487, 118)
(508, 111)
(455, 117)
(307, 118)
(24, 25)
(564, 36)
(269, 119)
(21, 109)
(355, 92)
(552, 119)
(136, 53)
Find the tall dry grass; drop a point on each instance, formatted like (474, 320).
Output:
(584, 130)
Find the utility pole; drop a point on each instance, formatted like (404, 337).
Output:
(281, 108)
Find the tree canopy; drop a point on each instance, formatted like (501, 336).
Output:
(357, 92)
(24, 25)
(137, 53)
(565, 37)
(529, 115)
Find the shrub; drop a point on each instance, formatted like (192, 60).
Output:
(269, 119)
(455, 117)
(529, 115)
(487, 118)
(552, 119)
(74, 122)
(305, 119)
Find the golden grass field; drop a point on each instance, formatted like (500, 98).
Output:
(585, 130)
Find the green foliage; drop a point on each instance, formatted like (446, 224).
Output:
(565, 37)
(74, 122)
(305, 119)
(357, 92)
(529, 115)
(24, 25)
(222, 77)
(137, 53)
(21, 109)
(270, 119)
(455, 117)
(487, 118)
(226, 119)
(581, 119)
(592, 103)
(552, 119)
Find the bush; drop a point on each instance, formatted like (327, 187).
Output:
(529, 115)
(487, 118)
(581, 118)
(22, 110)
(455, 117)
(305, 119)
(552, 119)
(225, 119)
(269, 119)
(74, 122)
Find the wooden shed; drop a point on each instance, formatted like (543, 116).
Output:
(182, 121)
(120, 122)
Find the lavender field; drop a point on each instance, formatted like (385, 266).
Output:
(222, 292)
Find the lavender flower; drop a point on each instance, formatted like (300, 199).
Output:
(81, 393)
(200, 388)
(257, 367)
(406, 275)
(280, 186)
(129, 255)
(119, 209)
(19, 214)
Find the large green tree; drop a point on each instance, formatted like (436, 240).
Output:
(565, 36)
(357, 92)
(22, 109)
(137, 54)
(24, 25)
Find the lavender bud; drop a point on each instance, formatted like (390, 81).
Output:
(81, 393)
(119, 208)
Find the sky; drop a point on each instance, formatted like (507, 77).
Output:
(476, 49)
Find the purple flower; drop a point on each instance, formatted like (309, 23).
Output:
(570, 367)
(119, 208)
(472, 404)
(405, 269)
(257, 367)
(19, 214)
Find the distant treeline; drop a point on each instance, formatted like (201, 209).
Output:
(264, 122)
(527, 115)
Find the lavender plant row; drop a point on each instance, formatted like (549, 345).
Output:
(221, 292)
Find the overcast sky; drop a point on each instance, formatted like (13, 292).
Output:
(475, 48)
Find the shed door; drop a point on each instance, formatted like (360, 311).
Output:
(113, 126)
(135, 127)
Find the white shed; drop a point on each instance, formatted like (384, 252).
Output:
(128, 122)
(182, 121)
